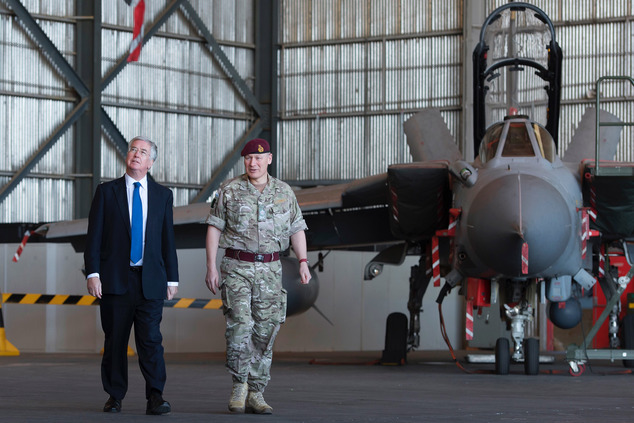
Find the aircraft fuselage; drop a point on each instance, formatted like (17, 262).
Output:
(521, 218)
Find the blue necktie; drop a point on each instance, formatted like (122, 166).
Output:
(136, 249)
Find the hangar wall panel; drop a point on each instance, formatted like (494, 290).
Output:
(358, 308)
(351, 72)
(34, 100)
(23, 69)
(176, 94)
(337, 148)
(320, 20)
(190, 147)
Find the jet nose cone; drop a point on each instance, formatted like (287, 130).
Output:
(515, 210)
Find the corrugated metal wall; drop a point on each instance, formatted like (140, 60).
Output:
(34, 100)
(350, 73)
(176, 94)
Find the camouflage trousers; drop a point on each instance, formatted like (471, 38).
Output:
(254, 305)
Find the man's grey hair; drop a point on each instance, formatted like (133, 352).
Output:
(153, 147)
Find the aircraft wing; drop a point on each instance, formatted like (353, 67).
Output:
(187, 227)
(610, 197)
(359, 193)
(64, 229)
(407, 203)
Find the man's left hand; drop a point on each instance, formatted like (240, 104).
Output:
(171, 292)
(304, 272)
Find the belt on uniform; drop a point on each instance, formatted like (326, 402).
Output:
(251, 257)
(136, 268)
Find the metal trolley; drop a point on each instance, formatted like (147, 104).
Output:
(611, 173)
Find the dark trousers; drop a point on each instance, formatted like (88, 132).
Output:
(118, 314)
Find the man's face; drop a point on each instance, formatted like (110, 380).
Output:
(256, 165)
(138, 160)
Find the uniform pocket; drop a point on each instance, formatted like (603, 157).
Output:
(226, 303)
(281, 217)
(283, 302)
(239, 214)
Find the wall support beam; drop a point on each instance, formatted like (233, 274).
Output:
(473, 17)
(221, 172)
(223, 60)
(123, 61)
(266, 48)
(88, 134)
(39, 37)
(88, 128)
(48, 48)
(44, 148)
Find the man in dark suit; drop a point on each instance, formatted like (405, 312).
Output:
(132, 267)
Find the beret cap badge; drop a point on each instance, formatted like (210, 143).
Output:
(256, 146)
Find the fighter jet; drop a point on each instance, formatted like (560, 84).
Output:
(515, 224)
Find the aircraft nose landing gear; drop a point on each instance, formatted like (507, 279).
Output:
(525, 350)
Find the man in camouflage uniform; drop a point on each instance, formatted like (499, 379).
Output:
(252, 217)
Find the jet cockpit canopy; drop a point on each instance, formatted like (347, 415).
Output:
(517, 136)
(516, 64)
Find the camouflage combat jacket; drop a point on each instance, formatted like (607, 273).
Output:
(250, 221)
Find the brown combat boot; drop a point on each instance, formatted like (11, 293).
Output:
(238, 397)
(257, 405)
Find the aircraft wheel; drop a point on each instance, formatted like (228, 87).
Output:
(627, 335)
(531, 356)
(502, 356)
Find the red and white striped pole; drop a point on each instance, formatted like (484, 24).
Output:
(469, 321)
(16, 256)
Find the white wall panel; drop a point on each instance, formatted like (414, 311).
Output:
(357, 308)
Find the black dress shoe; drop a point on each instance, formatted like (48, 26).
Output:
(156, 405)
(112, 405)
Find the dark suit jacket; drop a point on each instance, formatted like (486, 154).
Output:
(108, 241)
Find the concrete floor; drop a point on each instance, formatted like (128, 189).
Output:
(323, 387)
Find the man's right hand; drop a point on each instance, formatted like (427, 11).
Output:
(94, 287)
(212, 279)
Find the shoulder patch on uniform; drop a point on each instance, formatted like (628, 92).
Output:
(214, 198)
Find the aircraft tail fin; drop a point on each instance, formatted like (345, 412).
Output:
(582, 145)
(429, 138)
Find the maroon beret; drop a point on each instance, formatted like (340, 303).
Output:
(256, 146)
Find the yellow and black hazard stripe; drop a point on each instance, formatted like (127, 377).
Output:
(6, 347)
(193, 303)
(48, 299)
